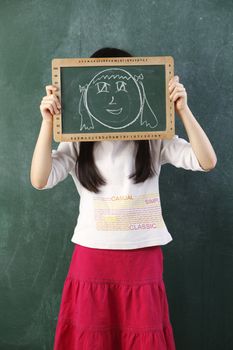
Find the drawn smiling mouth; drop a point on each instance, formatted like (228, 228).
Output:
(114, 111)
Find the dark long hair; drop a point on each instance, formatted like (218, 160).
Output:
(86, 169)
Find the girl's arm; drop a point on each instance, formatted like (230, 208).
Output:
(197, 137)
(42, 159)
(49, 167)
(199, 140)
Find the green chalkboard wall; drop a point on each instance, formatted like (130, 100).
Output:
(36, 226)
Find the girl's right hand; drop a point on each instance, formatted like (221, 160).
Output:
(50, 104)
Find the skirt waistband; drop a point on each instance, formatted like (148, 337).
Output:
(129, 266)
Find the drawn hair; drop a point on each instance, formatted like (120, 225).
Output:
(86, 170)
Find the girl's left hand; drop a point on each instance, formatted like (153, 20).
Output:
(178, 94)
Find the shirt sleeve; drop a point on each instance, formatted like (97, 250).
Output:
(63, 161)
(179, 152)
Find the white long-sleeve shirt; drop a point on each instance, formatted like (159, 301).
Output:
(123, 215)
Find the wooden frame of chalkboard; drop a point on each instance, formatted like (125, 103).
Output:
(135, 90)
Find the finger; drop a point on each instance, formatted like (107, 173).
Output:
(53, 103)
(173, 80)
(50, 89)
(173, 85)
(57, 101)
(53, 98)
(48, 106)
(177, 95)
(178, 89)
(45, 105)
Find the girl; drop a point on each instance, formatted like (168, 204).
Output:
(114, 295)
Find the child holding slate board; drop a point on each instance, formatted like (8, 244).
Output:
(114, 295)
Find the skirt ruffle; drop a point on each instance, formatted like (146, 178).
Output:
(104, 310)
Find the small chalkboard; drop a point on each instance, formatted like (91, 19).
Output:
(113, 98)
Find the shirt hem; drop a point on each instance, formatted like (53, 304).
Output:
(125, 245)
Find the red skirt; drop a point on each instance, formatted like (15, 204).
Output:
(114, 299)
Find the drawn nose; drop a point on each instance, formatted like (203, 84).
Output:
(111, 102)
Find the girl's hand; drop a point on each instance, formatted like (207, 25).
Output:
(177, 94)
(50, 104)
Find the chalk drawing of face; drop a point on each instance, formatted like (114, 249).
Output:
(114, 98)
(109, 100)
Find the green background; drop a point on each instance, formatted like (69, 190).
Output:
(36, 226)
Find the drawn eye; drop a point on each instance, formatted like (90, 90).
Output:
(121, 86)
(102, 87)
